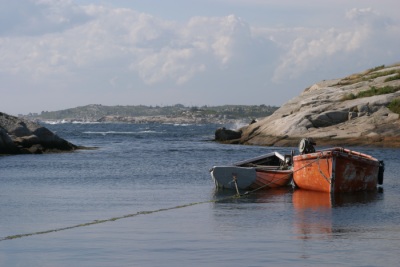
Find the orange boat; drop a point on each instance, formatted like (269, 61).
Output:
(335, 170)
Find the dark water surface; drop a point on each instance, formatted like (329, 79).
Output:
(148, 172)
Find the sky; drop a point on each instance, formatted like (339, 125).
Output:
(59, 54)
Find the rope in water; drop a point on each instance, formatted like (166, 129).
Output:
(17, 236)
(10, 237)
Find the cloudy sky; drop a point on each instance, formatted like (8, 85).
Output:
(58, 54)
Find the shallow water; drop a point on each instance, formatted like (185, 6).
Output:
(148, 173)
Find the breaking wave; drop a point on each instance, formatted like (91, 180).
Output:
(54, 122)
(119, 133)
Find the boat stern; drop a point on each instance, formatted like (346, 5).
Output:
(225, 176)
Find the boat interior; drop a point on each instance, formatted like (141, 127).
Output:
(271, 161)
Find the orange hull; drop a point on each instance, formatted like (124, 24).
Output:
(272, 178)
(336, 170)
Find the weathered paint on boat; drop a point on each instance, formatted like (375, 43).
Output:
(336, 170)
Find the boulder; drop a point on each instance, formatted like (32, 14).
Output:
(7, 145)
(18, 136)
(223, 134)
(328, 118)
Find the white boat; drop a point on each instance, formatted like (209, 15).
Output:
(266, 171)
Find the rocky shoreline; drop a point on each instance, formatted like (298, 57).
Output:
(359, 110)
(353, 111)
(163, 119)
(18, 136)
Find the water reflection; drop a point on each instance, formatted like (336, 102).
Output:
(252, 214)
(315, 216)
(261, 196)
(304, 214)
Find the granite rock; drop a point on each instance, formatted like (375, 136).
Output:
(325, 113)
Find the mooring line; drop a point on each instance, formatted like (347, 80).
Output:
(11, 237)
(247, 193)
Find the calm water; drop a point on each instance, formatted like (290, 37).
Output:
(158, 168)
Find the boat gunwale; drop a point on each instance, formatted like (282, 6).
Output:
(336, 151)
(268, 155)
(262, 169)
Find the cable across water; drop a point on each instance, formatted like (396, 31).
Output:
(236, 196)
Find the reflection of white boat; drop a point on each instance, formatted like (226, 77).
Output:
(272, 195)
(267, 171)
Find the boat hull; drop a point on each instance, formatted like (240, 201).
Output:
(272, 178)
(223, 177)
(249, 178)
(336, 170)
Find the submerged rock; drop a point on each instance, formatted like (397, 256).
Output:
(18, 136)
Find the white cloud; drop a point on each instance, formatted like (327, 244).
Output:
(29, 17)
(155, 49)
(192, 48)
(340, 46)
(168, 64)
(48, 43)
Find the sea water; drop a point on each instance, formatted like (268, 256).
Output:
(144, 197)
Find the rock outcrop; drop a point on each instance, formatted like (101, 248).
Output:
(336, 112)
(19, 136)
(223, 134)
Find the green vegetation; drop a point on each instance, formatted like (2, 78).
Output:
(370, 75)
(349, 97)
(394, 106)
(380, 74)
(394, 77)
(378, 91)
(376, 68)
(372, 91)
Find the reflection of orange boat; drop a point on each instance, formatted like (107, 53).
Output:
(315, 200)
(314, 210)
(311, 200)
(335, 170)
(313, 213)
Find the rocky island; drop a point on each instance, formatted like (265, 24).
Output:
(176, 114)
(18, 136)
(361, 109)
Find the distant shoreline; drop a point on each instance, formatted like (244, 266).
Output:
(152, 119)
